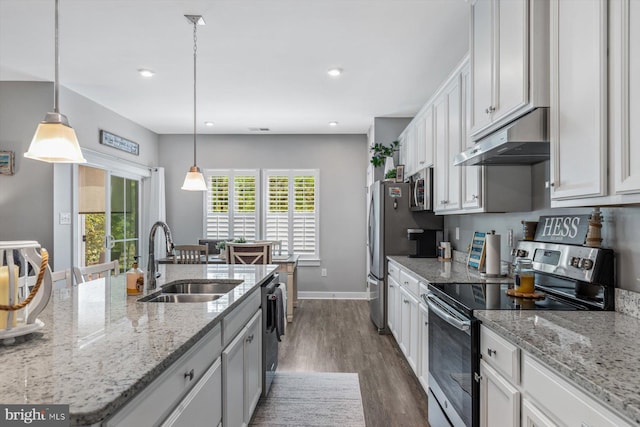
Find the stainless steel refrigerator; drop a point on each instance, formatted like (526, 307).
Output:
(390, 216)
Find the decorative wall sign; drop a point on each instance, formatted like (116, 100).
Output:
(569, 229)
(118, 142)
(7, 163)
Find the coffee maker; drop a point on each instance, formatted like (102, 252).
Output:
(427, 242)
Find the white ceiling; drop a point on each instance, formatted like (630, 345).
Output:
(261, 63)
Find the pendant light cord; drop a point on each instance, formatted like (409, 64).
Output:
(56, 93)
(195, 52)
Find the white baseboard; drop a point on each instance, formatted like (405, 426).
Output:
(333, 295)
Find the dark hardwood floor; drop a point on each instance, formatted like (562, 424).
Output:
(338, 336)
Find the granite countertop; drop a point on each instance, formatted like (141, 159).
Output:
(596, 350)
(434, 271)
(99, 347)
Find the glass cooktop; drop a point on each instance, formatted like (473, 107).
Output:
(492, 296)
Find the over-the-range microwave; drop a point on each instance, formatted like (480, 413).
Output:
(422, 190)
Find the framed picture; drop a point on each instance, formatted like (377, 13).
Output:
(400, 173)
(6, 163)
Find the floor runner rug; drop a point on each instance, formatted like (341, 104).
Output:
(311, 399)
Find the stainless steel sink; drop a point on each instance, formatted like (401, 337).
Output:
(192, 291)
(180, 298)
(200, 288)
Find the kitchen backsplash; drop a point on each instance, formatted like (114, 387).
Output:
(620, 232)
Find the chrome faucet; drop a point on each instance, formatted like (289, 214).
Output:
(152, 266)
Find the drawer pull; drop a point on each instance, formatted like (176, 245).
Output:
(189, 375)
(491, 352)
(405, 301)
(250, 338)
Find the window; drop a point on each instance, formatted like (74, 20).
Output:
(231, 204)
(291, 210)
(289, 213)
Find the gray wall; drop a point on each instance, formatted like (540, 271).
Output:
(342, 161)
(26, 198)
(22, 106)
(620, 230)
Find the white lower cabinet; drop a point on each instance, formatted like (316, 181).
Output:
(252, 365)
(499, 399)
(423, 360)
(241, 383)
(563, 402)
(392, 314)
(185, 388)
(534, 417)
(408, 319)
(203, 405)
(410, 341)
(538, 397)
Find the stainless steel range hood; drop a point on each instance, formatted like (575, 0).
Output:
(522, 142)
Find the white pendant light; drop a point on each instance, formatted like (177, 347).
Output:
(55, 141)
(194, 181)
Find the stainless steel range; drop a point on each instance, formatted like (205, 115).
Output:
(571, 278)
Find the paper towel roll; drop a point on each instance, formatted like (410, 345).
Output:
(493, 255)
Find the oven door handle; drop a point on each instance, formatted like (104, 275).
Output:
(435, 306)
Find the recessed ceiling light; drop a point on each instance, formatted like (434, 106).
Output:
(146, 73)
(334, 72)
(333, 124)
(209, 124)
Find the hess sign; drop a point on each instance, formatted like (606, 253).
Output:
(570, 229)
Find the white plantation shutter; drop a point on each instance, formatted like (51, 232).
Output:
(291, 210)
(217, 207)
(304, 214)
(232, 201)
(244, 207)
(277, 209)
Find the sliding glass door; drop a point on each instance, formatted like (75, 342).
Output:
(108, 217)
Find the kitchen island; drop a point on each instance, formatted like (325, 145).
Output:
(99, 347)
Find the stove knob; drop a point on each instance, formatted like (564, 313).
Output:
(575, 262)
(586, 264)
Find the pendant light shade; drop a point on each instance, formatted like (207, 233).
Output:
(55, 141)
(194, 180)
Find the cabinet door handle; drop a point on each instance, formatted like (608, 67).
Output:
(491, 352)
(405, 301)
(474, 196)
(189, 375)
(250, 338)
(490, 110)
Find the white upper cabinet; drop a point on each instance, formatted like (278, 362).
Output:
(417, 142)
(509, 61)
(578, 99)
(448, 143)
(471, 175)
(595, 71)
(624, 98)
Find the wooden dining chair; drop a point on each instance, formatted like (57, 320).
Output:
(276, 246)
(59, 276)
(95, 271)
(248, 253)
(191, 254)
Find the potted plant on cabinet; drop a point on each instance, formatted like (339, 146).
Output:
(383, 155)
